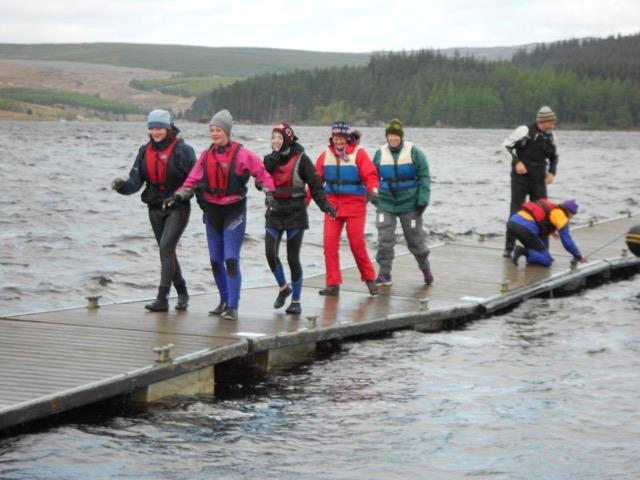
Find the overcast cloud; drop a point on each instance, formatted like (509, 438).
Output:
(328, 25)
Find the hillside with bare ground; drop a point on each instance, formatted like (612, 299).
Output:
(105, 82)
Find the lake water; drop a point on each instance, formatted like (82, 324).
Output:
(549, 390)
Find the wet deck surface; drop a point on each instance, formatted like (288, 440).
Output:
(42, 354)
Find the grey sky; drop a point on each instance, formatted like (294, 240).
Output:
(327, 25)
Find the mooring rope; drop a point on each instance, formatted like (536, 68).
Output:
(606, 244)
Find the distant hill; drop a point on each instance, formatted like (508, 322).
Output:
(611, 58)
(187, 60)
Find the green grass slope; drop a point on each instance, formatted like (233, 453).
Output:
(188, 60)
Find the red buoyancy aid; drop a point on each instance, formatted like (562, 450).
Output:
(286, 178)
(157, 162)
(220, 174)
(540, 210)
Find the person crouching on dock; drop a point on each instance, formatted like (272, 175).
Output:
(224, 169)
(535, 222)
(292, 170)
(163, 163)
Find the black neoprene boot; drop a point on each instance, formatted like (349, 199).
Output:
(183, 296)
(219, 310)
(295, 308)
(230, 314)
(160, 304)
(282, 296)
(519, 252)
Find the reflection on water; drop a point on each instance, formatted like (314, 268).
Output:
(65, 234)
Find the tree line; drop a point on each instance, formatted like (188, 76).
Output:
(427, 88)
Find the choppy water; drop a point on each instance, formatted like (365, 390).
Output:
(65, 234)
(549, 390)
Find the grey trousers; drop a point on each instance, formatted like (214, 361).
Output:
(414, 235)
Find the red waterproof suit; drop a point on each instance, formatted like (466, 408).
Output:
(351, 210)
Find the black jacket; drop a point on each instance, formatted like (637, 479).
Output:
(180, 163)
(535, 149)
(292, 212)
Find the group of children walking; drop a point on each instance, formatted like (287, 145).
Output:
(342, 181)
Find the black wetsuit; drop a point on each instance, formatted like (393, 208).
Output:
(169, 224)
(290, 214)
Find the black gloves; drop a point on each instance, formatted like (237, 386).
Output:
(421, 209)
(170, 202)
(117, 184)
(182, 195)
(270, 202)
(372, 196)
(329, 210)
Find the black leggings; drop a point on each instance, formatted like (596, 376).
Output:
(526, 236)
(168, 226)
(521, 186)
(294, 245)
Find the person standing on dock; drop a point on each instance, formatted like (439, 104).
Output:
(292, 170)
(224, 169)
(535, 222)
(532, 150)
(163, 163)
(405, 187)
(350, 179)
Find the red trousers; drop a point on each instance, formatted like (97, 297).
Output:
(355, 235)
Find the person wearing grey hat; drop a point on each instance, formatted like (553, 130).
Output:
(532, 153)
(162, 164)
(222, 120)
(224, 169)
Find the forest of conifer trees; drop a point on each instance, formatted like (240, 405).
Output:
(591, 84)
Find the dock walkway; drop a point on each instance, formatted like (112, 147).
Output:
(51, 362)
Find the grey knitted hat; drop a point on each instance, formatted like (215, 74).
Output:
(223, 120)
(545, 114)
(159, 119)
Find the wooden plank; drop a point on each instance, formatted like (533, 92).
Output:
(38, 359)
(52, 361)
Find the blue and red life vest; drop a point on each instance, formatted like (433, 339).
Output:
(156, 163)
(220, 175)
(398, 174)
(342, 177)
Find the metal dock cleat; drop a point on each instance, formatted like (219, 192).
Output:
(164, 353)
(92, 301)
(424, 304)
(312, 321)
